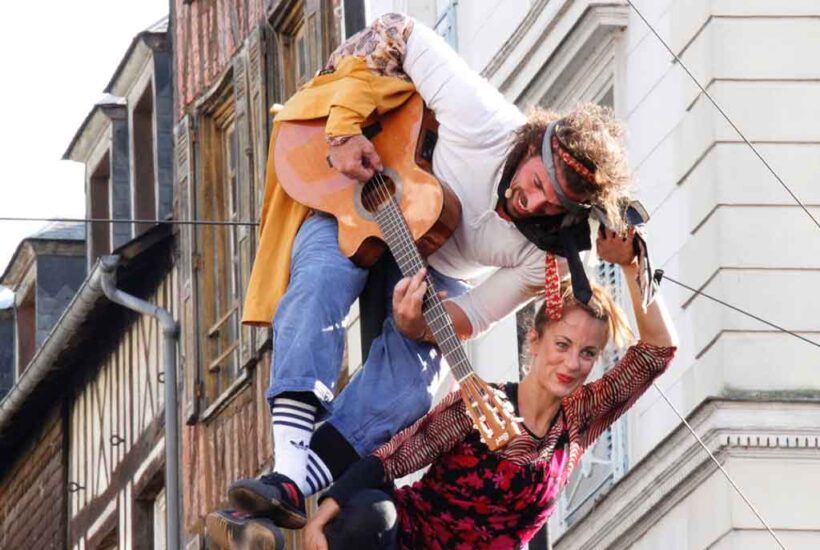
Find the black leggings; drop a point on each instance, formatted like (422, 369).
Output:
(367, 521)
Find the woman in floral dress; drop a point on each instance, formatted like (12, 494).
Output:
(474, 498)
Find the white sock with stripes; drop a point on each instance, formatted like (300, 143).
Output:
(292, 428)
(318, 474)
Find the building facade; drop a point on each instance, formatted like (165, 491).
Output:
(234, 61)
(185, 135)
(721, 224)
(81, 427)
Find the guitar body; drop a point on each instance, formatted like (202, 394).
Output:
(404, 139)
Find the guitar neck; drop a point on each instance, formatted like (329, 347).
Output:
(399, 239)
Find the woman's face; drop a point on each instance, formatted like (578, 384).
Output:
(563, 356)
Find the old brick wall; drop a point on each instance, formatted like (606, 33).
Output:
(32, 492)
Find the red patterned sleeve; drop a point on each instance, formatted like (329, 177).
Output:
(595, 406)
(421, 443)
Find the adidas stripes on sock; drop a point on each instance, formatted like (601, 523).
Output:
(293, 422)
(329, 456)
(318, 474)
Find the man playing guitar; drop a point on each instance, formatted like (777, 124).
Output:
(526, 185)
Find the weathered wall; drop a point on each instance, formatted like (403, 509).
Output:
(232, 444)
(207, 34)
(32, 492)
(116, 444)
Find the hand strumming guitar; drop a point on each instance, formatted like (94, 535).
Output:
(356, 158)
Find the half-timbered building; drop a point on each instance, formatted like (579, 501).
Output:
(234, 60)
(81, 428)
(44, 273)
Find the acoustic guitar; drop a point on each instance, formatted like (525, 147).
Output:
(404, 208)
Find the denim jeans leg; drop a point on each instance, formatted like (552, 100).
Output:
(396, 384)
(308, 331)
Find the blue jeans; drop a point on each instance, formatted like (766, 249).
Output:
(397, 382)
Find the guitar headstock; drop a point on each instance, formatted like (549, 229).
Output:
(492, 414)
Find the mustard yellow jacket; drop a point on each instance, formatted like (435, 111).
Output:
(347, 97)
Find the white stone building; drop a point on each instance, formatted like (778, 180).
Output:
(721, 224)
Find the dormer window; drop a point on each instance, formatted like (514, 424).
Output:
(26, 325)
(46, 270)
(99, 205)
(144, 182)
(126, 144)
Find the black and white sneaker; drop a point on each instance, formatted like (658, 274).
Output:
(274, 496)
(234, 530)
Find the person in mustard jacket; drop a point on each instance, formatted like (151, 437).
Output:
(526, 185)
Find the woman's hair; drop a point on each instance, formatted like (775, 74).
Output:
(601, 306)
(594, 137)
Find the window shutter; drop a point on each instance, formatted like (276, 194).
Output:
(273, 70)
(259, 110)
(263, 93)
(313, 36)
(245, 211)
(186, 211)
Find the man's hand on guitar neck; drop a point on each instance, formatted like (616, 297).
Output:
(408, 298)
(355, 157)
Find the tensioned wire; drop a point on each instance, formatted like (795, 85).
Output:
(725, 116)
(128, 220)
(670, 279)
(720, 466)
(723, 113)
(796, 199)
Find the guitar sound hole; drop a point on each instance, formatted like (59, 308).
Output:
(376, 192)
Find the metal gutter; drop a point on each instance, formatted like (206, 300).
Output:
(45, 361)
(170, 330)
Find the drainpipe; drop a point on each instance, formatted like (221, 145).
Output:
(170, 331)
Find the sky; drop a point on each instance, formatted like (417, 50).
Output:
(57, 57)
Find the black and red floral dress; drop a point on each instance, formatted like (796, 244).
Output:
(472, 497)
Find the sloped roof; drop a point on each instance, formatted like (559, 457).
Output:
(88, 320)
(60, 231)
(154, 34)
(52, 232)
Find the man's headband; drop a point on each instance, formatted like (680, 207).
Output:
(550, 145)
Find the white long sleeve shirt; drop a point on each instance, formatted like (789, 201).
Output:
(475, 133)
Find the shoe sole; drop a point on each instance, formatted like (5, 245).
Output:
(252, 503)
(219, 531)
(254, 535)
(257, 537)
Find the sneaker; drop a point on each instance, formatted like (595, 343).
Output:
(233, 530)
(274, 496)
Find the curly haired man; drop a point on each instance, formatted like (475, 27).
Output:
(527, 186)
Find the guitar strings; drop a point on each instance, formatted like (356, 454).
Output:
(464, 374)
(472, 387)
